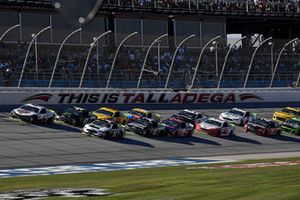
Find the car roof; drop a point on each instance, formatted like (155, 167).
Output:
(108, 121)
(215, 119)
(141, 110)
(239, 109)
(33, 105)
(108, 109)
(293, 108)
(191, 111)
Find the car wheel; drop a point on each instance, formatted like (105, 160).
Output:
(176, 134)
(190, 134)
(230, 133)
(50, 120)
(31, 119)
(278, 133)
(121, 135)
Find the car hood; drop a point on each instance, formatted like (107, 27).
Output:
(230, 115)
(95, 127)
(208, 126)
(101, 116)
(23, 112)
(256, 125)
(136, 125)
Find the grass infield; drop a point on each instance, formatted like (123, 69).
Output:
(178, 183)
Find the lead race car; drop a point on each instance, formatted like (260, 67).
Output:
(33, 113)
(104, 128)
(215, 127)
(263, 127)
(237, 116)
(146, 127)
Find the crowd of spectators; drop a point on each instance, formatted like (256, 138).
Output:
(129, 63)
(282, 6)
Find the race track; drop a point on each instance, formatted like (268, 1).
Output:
(25, 145)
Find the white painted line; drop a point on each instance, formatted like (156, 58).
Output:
(99, 167)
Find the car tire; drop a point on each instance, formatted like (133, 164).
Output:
(278, 133)
(175, 134)
(230, 133)
(50, 120)
(190, 134)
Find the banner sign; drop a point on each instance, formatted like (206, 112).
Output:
(56, 97)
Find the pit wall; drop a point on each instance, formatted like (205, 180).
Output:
(59, 98)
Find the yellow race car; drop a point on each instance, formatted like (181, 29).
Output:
(110, 114)
(286, 114)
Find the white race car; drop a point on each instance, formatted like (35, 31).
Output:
(104, 128)
(33, 113)
(236, 116)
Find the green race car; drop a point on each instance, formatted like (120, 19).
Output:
(291, 126)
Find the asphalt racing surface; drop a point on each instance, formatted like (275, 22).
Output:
(26, 145)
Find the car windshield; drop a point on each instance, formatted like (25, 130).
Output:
(30, 108)
(188, 114)
(104, 112)
(170, 122)
(236, 112)
(294, 123)
(135, 112)
(260, 122)
(71, 110)
(213, 122)
(286, 110)
(102, 123)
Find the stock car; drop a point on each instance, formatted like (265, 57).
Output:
(33, 113)
(104, 128)
(137, 113)
(176, 128)
(215, 127)
(110, 114)
(263, 127)
(286, 114)
(190, 116)
(236, 116)
(146, 127)
(291, 126)
(76, 116)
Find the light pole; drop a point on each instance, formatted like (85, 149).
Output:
(27, 53)
(8, 30)
(58, 54)
(174, 57)
(278, 58)
(115, 57)
(88, 55)
(145, 59)
(226, 58)
(214, 47)
(271, 44)
(252, 59)
(200, 58)
(36, 57)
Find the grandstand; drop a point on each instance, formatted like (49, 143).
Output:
(255, 20)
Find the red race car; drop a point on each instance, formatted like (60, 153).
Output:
(263, 127)
(215, 127)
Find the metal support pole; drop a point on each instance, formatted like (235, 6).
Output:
(158, 62)
(115, 57)
(36, 59)
(27, 53)
(174, 57)
(272, 56)
(88, 55)
(58, 54)
(146, 56)
(8, 30)
(97, 61)
(252, 59)
(278, 58)
(217, 67)
(226, 58)
(200, 58)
